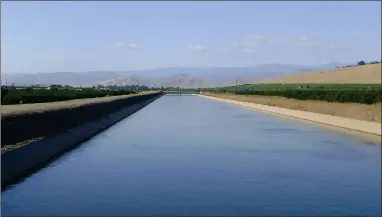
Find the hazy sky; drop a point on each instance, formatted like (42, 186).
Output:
(83, 36)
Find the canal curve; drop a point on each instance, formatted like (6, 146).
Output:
(187, 155)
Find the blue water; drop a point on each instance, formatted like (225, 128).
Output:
(186, 155)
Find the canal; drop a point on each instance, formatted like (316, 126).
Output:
(186, 155)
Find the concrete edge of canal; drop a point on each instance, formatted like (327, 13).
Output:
(346, 123)
(17, 163)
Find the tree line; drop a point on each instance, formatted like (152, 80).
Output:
(360, 63)
(363, 96)
(12, 95)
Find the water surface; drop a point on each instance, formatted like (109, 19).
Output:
(186, 155)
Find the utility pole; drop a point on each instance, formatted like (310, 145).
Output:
(236, 84)
(138, 86)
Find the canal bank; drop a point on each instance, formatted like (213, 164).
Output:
(64, 128)
(346, 123)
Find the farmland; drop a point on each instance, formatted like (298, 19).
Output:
(359, 74)
(355, 94)
(358, 93)
(265, 87)
(27, 95)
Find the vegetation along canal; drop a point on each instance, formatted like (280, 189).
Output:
(186, 155)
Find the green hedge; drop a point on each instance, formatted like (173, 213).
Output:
(357, 96)
(11, 96)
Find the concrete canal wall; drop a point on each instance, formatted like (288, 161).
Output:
(347, 123)
(62, 129)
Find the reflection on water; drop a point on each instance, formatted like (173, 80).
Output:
(186, 155)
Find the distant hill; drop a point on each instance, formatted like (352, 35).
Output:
(174, 76)
(365, 74)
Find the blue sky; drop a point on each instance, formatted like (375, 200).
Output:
(85, 36)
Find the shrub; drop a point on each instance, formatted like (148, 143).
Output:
(360, 63)
(357, 96)
(29, 95)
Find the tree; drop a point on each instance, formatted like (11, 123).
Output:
(55, 86)
(360, 63)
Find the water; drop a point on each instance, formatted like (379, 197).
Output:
(186, 155)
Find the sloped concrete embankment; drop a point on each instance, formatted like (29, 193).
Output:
(61, 132)
(346, 123)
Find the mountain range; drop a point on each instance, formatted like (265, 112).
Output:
(184, 77)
